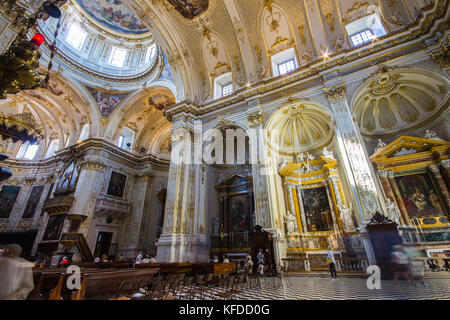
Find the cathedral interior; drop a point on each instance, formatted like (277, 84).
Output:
(335, 113)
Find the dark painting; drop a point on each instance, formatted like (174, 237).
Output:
(54, 226)
(8, 197)
(317, 209)
(240, 213)
(190, 8)
(33, 201)
(419, 196)
(116, 184)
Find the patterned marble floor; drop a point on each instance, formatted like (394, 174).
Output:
(319, 288)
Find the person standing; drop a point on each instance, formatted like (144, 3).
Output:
(138, 258)
(260, 261)
(16, 275)
(332, 263)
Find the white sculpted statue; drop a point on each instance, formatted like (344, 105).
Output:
(291, 223)
(430, 134)
(380, 145)
(393, 211)
(328, 154)
(346, 218)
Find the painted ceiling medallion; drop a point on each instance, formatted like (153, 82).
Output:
(190, 8)
(114, 15)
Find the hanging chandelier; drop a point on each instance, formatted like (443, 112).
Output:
(18, 65)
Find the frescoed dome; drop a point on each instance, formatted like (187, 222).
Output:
(114, 15)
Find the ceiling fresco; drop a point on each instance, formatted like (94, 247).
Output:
(113, 15)
(107, 102)
(190, 8)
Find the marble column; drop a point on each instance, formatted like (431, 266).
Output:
(356, 161)
(184, 231)
(383, 174)
(441, 182)
(86, 194)
(139, 215)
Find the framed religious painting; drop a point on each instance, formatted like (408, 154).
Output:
(8, 197)
(116, 185)
(240, 213)
(54, 227)
(317, 209)
(421, 197)
(33, 201)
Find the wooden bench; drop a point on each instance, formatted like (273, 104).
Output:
(104, 283)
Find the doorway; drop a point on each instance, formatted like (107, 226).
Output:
(103, 244)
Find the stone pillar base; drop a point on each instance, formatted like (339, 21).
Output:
(183, 248)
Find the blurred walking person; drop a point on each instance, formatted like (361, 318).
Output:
(416, 258)
(400, 262)
(16, 275)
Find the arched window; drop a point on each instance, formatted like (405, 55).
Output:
(27, 151)
(284, 62)
(126, 139)
(54, 146)
(365, 30)
(84, 132)
(223, 85)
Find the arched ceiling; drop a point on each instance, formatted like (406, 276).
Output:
(248, 32)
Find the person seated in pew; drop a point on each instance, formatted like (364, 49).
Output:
(64, 262)
(16, 275)
(121, 258)
(138, 258)
(146, 259)
(216, 259)
(225, 259)
(152, 259)
(96, 260)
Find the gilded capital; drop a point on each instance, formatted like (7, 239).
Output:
(255, 118)
(335, 94)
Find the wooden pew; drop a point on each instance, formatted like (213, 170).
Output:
(221, 269)
(106, 283)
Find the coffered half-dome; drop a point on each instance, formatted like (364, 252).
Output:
(398, 99)
(299, 127)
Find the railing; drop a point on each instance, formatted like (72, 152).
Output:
(342, 264)
(58, 204)
(351, 264)
(109, 205)
(296, 264)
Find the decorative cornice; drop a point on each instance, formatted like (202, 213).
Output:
(255, 118)
(93, 165)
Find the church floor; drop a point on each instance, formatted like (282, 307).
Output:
(319, 288)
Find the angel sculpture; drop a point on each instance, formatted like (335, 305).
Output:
(346, 218)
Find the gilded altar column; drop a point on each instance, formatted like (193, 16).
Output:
(398, 198)
(441, 182)
(356, 163)
(383, 174)
(304, 226)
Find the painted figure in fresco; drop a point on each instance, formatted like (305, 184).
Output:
(190, 8)
(8, 198)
